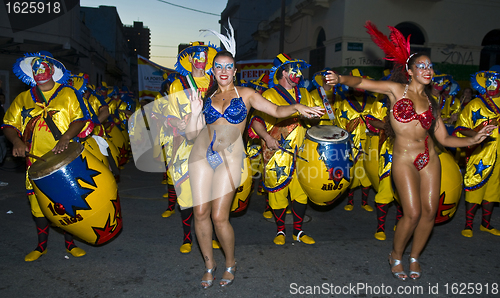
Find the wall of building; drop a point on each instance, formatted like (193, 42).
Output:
(454, 42)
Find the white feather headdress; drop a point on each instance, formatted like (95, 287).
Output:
(228, 41)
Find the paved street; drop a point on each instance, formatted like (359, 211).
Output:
(144, 259)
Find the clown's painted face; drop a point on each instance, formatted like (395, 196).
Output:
(294, 74)
(199, 60)
(493, 86)
(42, 70)
(439, 84)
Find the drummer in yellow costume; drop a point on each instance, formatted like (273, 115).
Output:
(352, 116)
(194, 65)
(483, 166)
(254, 146)
(164, 137)
(288, 134)
(42, 119)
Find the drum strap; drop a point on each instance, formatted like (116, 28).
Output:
(48, 119)
(326, 103)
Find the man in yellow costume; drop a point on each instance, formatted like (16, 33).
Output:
(352, 115)
(194, 65)
(282, 138)
(483, 166)
(46, 117)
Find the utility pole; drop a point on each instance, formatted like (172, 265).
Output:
(282, 27)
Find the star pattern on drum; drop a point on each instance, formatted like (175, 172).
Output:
(280, 171)
(444, 213)
(387, 158)
(71, 183)
(480, 167)
(26, 113)
(476, 115)
(178, 165)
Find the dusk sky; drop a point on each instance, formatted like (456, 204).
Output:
(169, 25)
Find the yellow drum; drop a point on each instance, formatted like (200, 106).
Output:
(91, 146)
(243, 192)
(326, 173)
(117, 138)
(78, 193)
(451, 188)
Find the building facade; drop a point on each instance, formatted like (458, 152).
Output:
(461, 37)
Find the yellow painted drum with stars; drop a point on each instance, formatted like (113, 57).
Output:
(243, 192)
(325, 173)
(116, 136)
(451, 188)
(78, 193)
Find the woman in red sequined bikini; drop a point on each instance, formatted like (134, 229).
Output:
(414, 116)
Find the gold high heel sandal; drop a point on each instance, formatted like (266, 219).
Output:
(401, 275)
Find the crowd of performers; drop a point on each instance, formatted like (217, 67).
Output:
(277, 144)
(58, 109)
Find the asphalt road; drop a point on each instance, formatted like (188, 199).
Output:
(144, 259)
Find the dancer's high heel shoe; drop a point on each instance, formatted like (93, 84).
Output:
(209, 283)
(416, 273)
(401, 275)
(228, 282)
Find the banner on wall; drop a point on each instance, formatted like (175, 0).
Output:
(150, 77)
(252, 69)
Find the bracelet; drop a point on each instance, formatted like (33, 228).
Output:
(340, 76)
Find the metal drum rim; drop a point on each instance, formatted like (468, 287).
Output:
(36, 175)
(309, 137)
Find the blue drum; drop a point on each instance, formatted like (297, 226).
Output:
(325, 164)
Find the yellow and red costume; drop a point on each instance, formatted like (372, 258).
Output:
(483, 166)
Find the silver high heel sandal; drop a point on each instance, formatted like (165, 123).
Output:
(229, 282)
(417, 273)
(393, 263)
(209, 282)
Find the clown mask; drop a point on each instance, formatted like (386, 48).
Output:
(42, 70)
(493, 86)
(199, 60)
(294, 74)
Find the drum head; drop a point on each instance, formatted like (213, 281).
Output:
(54, 162)
(327, 133)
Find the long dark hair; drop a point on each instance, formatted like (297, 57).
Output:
(214, 85)
(400, 75)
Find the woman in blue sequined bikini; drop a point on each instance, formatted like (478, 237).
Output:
(414, 116)
(216, 125)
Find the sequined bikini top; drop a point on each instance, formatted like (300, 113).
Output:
(235, 113)
(404, 112)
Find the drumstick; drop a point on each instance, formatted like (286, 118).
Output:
(34, 156)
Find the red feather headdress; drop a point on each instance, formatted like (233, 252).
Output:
(396, 47)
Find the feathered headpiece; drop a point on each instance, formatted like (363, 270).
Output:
(396, 47)
(228, 41)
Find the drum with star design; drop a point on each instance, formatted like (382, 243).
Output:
(451, 187)
(243, 192)
(78, 193)
(324, 165)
